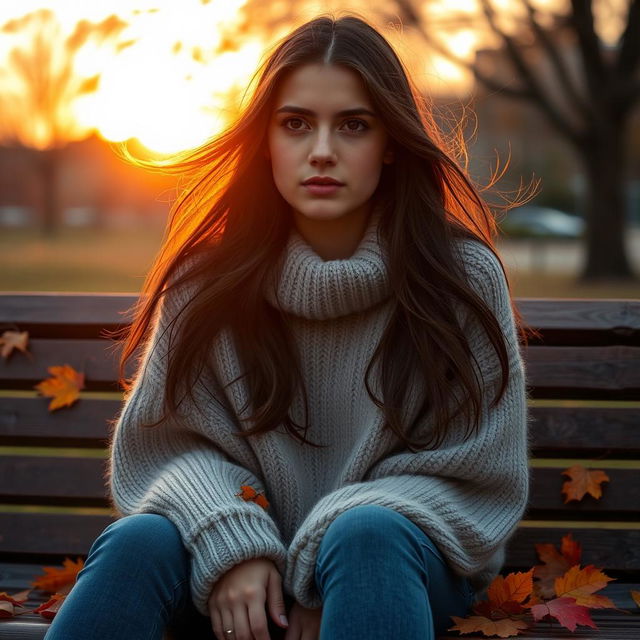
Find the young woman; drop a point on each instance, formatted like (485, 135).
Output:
(327, 432)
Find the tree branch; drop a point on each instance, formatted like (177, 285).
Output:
(558, 63)
(538, 96)
(627, 63)
(595, 68)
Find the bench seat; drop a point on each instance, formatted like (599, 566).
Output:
(584, 383)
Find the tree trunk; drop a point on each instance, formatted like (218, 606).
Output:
(605, 206)
(47, 163)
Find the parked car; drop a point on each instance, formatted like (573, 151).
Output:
(531, 221)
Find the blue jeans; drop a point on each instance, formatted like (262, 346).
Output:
(377, 572)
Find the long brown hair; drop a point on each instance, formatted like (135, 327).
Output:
(231, 218)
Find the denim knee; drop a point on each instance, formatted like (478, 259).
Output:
(144, 534)
(365, 522)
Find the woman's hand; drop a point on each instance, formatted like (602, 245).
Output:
(238, 599)
(304, 624)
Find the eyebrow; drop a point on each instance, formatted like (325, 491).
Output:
(358, 111)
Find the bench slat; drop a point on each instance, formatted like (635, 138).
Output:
(580, 372)
(80, 481)
(565, 431)
(558, 431)
(58, 309)
(63, 534)
(28, 422)
(584, 372)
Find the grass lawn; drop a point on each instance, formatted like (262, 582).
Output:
(117, 261)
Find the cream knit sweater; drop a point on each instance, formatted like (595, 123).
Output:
(468, 497)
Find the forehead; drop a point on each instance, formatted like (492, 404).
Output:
(323, 88)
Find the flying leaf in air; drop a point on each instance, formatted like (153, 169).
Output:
(581, 584)
(56, 579)
(11, 340)
(565, 611)
(505, 628)
(583, 481)
(64, 386)
(555, 564)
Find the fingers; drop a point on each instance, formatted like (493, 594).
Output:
(275, 600)
(247, 619)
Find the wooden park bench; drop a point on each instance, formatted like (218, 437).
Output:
(53, 498)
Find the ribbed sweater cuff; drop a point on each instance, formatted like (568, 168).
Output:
(225, 540)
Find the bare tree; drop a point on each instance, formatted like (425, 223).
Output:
(595, 112)
(38, 86)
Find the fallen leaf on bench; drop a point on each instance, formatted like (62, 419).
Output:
(64, 386)
(501, 613)
(555, 564)
(505, 628)
(8, 603)
(566, 611)
(59, 579)
(581, 584)
(636, 596)
(583, 481)
(11, 340)
(50, 607)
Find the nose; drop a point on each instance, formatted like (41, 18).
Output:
(322, 150)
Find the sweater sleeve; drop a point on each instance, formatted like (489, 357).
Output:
(176, 470)
(468, 497)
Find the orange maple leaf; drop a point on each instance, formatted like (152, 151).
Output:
(11, 340)
(59, 579)
(249, 494)
(583, 481)
(64, 387)
(555, 564)
(581, 584)
(566, 611)
(504, 628)
(494, 616)
(636, 596)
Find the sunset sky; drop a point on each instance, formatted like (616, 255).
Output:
(169, 79)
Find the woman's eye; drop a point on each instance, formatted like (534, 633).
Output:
(362, 122)
(347, 122)
(284, 123)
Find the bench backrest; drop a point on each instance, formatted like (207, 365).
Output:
(584, 377)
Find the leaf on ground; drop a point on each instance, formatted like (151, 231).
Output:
(504, 628)
(49, 608)
(583, 481)
(64, 386)
(566, 611)
(11, 340)
(8, 603)
(581, 584)
(555, 564)
(57, 579)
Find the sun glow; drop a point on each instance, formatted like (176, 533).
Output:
(170, 74)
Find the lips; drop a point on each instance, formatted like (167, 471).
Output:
(322, 181)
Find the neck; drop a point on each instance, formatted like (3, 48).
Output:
(335, 238)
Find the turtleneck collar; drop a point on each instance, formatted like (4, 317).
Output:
(323, 289)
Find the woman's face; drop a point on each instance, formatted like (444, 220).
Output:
(309, 136)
